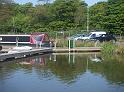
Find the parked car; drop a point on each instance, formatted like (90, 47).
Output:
(93, 35)
(105, 37)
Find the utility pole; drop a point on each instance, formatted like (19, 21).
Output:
(87, 19)
(13, 24)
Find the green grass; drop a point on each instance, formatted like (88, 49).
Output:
(108, 47)
(64, 43)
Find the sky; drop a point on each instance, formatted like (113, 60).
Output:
(89, 2)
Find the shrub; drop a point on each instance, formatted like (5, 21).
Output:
(108, 47)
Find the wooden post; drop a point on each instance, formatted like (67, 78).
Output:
(69, 43)
(40, 44)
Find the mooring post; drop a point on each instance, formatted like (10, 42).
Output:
(40, 44)
(69, 45)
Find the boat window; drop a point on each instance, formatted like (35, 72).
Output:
(13, 39)
(0, 38)
(9, 39)
(23, 39)
(38, 38)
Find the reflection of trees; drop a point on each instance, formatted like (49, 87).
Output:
(37, 64)
(110, 68)
(7, 69)
(45, 68)
(67, 71)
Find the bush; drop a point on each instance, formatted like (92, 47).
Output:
(108, 47)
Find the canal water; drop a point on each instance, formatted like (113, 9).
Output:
(63, 72)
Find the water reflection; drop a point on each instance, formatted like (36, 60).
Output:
(68, 68)
(96, 58)
(33, 61)
(109, 67)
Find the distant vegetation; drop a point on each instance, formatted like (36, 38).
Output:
(108, 16)
(61, 15)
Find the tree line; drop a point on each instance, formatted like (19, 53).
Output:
(108, 16)
(61, 15)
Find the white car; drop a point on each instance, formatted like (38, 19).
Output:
(92, 35)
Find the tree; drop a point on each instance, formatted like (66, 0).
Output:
(19, 23)
(6, 7)
(113, 21)
(6, 12)
(97, 12)
(6, 1)
(61, 14)
(115, 1)
(108, 16)
(69, 12)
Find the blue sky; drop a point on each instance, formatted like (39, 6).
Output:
(89, 2)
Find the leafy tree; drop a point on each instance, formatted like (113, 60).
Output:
(113, 21)
(20, 22)
(5, 9)
(108, 16)
(61, 15)
(68, 11)
(97, 12)
(6, 12)
(23, 9)
(6, 1)
(115, 1)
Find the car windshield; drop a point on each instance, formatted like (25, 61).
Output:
(87, 35)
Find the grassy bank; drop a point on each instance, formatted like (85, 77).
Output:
(65, 42)
(107, 47)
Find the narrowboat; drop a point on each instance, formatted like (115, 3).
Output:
(24, 39)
